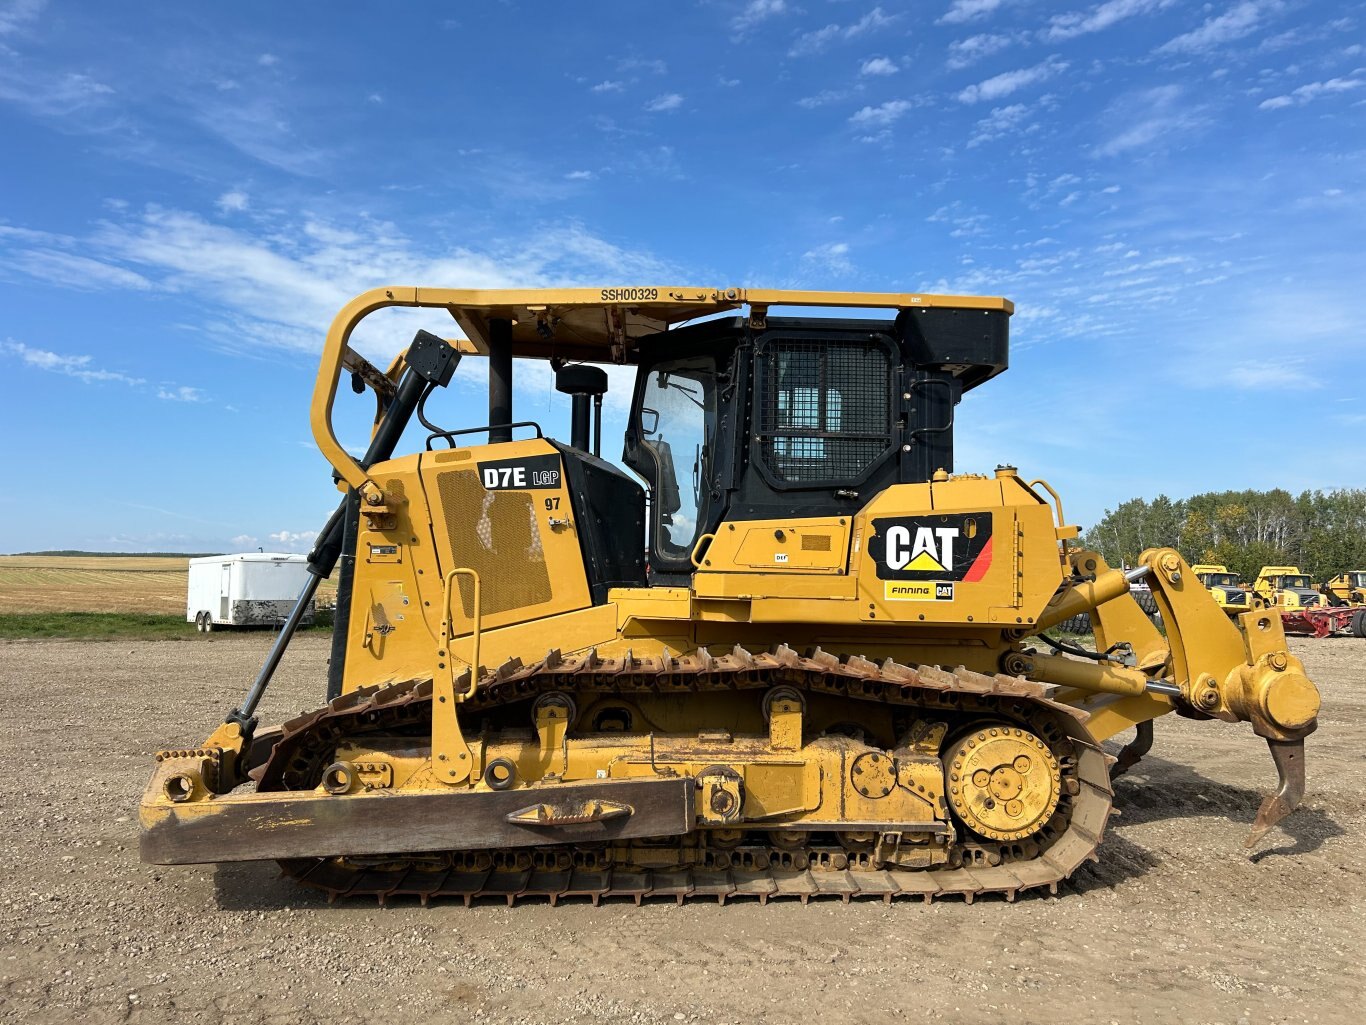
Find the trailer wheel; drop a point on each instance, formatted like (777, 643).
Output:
(199, 621)
(208, 622)
(1359, 623)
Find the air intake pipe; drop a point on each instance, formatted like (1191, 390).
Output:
(582, 382)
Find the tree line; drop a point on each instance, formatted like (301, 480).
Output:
(1321, 532)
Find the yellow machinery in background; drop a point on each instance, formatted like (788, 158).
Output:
(1228, 589)
(1285, 587)
(1347, 588)
(805, 658)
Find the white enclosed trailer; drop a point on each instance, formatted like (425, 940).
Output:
(250, 589)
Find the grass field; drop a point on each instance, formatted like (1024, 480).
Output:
(128, 584)
(93, 625)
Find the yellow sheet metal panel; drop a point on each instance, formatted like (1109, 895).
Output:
(500, 507)
(394, 621)
(767, 586)
(479, 508)
(964, 550)
(784, 547)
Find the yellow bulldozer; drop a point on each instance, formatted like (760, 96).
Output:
(806, 658)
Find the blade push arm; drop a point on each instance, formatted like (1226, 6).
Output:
(1207, 665)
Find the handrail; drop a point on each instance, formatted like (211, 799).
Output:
(696, 555)
(1057, 500)
(450, 435)
(448, 634)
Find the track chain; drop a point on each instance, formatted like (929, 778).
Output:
(1069, 840)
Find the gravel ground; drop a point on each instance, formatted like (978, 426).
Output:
(1177, 923)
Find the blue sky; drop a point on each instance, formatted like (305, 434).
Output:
(1173, 194)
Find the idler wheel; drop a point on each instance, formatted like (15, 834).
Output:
(1003, 781)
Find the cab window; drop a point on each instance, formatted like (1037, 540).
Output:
(677, 424)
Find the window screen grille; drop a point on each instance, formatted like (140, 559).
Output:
(825, 409)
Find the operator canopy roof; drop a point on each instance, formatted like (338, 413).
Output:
(602, 324)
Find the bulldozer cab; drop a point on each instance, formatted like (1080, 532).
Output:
(733, 420)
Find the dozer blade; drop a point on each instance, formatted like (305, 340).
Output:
(269, 826)
(1289, 758)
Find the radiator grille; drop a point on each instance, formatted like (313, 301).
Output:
(495, 534)
(825, 410)
(815, 542)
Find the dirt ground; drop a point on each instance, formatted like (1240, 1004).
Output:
(1177, 923)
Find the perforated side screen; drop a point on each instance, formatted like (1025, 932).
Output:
(495, 534)
(825, 408)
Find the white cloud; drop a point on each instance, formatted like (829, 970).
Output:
(375, 98)
(259, 125)
(1150, 117)
(1004, 84)
(16, 15)
(1310, 92)
(825, 97)
(963, 52)
(608, 86)
(814, 42)
(233, 201)
(181, 393)
(44, 94)
(580, 176)
(267, 60)
(277, 281)
(1238, 21)
(1099, 18)
(652, 65)
(883, 114)
(1001, 121)
(961, 11)
(668, 101)
(70, 270)
(244, 541)
(80, 367)
(965, 224)
(878, 66)
(757, 11)
(293, 540)
(1279, 372)
(831, 258)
